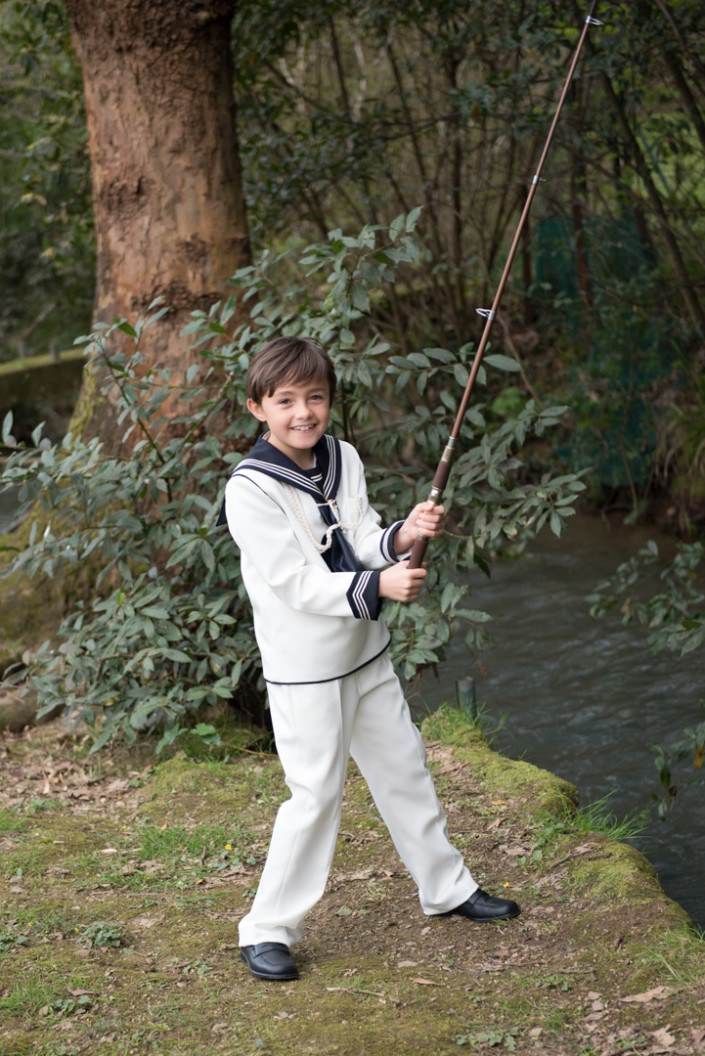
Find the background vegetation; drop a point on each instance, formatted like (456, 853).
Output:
(166, 627)
(360, 122)
(353, 113)
(47, 252)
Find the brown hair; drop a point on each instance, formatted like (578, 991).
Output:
(289, 359)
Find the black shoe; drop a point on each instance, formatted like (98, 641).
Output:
(482, 906)
(269, 960)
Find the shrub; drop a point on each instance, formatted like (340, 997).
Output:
(167, 627)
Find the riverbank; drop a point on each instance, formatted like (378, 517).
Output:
(122, 881)
(588, 699)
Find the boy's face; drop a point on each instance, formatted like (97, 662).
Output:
(297, 416)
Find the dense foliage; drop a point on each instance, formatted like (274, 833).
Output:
(359, 111)
(355, 111)
(46, 242)
(167, 628)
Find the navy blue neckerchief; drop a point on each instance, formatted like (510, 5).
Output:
(321, 483)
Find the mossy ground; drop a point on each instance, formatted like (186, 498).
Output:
(122, 882)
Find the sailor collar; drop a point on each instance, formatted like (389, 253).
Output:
(321, 482)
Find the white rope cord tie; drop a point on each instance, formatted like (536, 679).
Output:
(300, 514)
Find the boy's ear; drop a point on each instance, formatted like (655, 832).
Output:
(256, 409)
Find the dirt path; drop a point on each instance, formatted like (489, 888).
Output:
(122, 883)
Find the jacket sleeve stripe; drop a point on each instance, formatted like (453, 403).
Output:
(386, 543)
(363, 596)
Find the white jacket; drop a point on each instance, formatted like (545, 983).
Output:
(312, 624)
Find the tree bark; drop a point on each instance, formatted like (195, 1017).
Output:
(168, 203)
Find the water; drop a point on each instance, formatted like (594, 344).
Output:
(586, 699)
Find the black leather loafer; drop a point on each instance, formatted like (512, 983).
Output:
(482, 906)
(269, 960)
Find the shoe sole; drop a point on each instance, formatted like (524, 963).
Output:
(481, 920)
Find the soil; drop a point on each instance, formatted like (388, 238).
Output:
(122, 880)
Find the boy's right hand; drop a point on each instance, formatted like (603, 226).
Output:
(401, 583)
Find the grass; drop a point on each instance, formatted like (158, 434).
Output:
(45, 919)
(40, 804)
(148, 857)
(567, 820)
(135, 951)
(33, 855)
(597, 817)
(10, 823)
(227, 845)
(680, 956)
(29, 995)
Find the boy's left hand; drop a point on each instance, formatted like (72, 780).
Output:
(425, 519)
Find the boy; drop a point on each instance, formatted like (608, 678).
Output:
(317, 566)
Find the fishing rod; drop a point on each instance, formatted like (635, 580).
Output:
(444, 466)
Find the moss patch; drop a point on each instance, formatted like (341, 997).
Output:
(161, 861)
(500, 776)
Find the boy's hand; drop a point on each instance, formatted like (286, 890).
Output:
(401, 583)
(425, 519)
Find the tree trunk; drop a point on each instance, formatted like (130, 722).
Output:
(167, 195)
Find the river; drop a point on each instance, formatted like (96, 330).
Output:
(583, 698)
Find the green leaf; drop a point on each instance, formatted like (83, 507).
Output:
(461, 374)
(177, 655)
(448, 596)
(412, 218)
(7, 437)
(419, 359)
(168, 737)
(396, 227)
(441, 354)
(207, 555)
(207, 733)
(501, 362)
(359, 298)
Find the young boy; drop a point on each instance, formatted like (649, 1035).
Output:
(317, 566)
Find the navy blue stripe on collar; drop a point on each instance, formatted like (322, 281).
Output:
(270, 460)
(265, 458)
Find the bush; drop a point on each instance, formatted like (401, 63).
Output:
(167, 627)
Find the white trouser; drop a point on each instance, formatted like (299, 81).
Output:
(316, 727)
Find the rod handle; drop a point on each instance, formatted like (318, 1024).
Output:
(417, 551)
(435, 495)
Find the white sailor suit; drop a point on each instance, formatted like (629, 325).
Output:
(311, 553)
